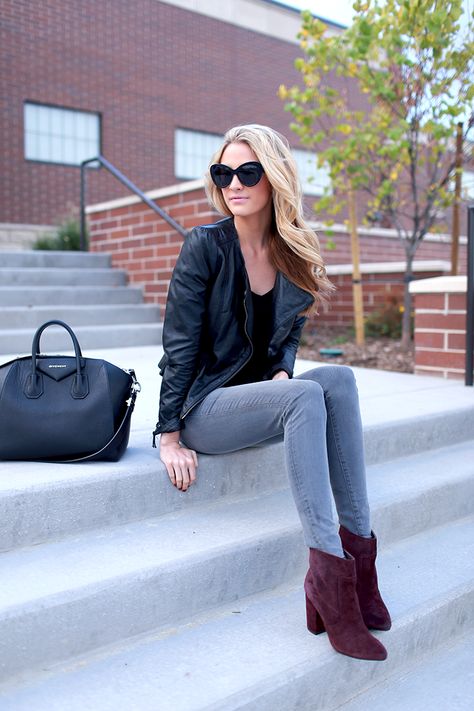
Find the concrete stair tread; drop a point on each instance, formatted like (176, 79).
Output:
(84, 496)
(54, 289)
(441, 681)
(78, 329)
(56, 340)
(256, 654)
(53, 276)
(28, 259)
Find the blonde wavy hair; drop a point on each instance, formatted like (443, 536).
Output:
(294, 246)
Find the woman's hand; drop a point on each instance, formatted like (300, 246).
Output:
(180, 462)
(281, 375)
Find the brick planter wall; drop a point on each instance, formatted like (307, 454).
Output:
(440, 326)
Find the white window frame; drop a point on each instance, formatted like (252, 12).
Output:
(59, 135)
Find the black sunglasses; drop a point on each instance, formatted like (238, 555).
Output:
(248, 174)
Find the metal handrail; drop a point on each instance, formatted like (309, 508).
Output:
(131, 186)
(470, 298)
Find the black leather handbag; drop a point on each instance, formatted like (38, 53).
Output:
(64, 408)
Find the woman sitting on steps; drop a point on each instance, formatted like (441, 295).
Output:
(238, 299)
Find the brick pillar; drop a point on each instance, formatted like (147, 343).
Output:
(440, 326)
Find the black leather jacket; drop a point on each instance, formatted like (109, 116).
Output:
(208, 319)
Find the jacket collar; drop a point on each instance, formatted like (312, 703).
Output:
(289, 299)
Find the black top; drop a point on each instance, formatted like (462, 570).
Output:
(257, 366)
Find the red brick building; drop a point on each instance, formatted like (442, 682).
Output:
(124, 77)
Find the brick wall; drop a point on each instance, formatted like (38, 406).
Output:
(147, 67)
(382, 286)
(440, 326)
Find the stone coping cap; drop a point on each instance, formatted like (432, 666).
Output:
(422, 265)
(440, 285)
(151, 194)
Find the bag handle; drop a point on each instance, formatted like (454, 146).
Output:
(34, 382)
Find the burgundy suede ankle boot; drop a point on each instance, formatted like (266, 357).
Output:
(364, 551)
(332, 605)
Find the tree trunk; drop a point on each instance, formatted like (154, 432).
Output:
(407, 300)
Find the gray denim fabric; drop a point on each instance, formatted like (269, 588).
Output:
(317, 415)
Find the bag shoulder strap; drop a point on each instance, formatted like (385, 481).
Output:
(134, 390)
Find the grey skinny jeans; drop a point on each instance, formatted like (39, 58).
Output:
(317, 415)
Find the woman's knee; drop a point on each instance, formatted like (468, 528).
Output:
(307, 391)
(334, 378)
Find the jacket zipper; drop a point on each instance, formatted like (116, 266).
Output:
(233, 374)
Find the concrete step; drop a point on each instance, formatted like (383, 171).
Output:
(62, 277)
(26, 259)
(254, 653)
(441, 681)
(111, 583)
(57, 339)
(431, 486)
(33, 317)
(80, 295)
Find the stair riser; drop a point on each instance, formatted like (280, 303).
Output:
(122, 336)
(321, 689)
(49, 259)
(62, 277)
(18, 318)
(45, 296)
(59, 628)
(421, 512)
(404, 438)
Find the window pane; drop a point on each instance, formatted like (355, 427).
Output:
(56, 149)
(58, 135)
(193, 151)
(313, 179)
(468, 185)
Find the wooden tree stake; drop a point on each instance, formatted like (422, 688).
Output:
(356, 277)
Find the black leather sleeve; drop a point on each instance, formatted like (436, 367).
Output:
(182, 328)
(285, 358)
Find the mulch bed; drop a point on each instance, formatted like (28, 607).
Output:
(381, 353)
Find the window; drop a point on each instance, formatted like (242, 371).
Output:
(468, 185)
(313, 179)
(193, 151)
(57, 135)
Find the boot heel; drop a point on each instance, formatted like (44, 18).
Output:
(314, 621)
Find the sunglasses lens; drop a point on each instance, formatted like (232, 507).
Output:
(250, 174)
(221, 175)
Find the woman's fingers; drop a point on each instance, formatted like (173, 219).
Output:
(181, 466)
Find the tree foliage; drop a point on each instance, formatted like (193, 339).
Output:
(380, 103)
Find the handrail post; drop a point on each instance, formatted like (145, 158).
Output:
(83, 241)
(470, 298)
